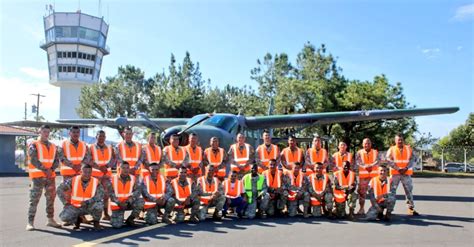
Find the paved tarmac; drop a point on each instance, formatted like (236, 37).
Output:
(446, 205)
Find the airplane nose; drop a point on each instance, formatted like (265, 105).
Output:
(166, 135)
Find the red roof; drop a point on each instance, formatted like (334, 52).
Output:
(14, 131)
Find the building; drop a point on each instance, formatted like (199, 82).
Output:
(76, 45)
(8, 155)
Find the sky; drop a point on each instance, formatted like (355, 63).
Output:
(425, 45)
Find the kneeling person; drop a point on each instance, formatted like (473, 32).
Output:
(157, 194)
(125, 196)
(256, 194)
(186, 195)
(212, 194)
(86, 197)
(320, 191)
(345, 191)
(382, 196)
(297, 192)
(278, 184)
(233, 189)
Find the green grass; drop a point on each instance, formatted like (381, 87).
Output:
(443, 174)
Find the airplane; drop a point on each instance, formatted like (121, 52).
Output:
(226, 126)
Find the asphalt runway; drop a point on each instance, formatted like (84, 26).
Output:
(446, 206)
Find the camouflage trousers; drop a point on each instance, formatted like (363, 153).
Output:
(71, 213)
(407, 183)
(151, 214)
(302, 198)
(217, 202)
(116, 220)
(261, 202)
(362, 189)
(316, 210)
(351, 203)
(37, 186)
(277, 201)
(193, 204)
(388, 203)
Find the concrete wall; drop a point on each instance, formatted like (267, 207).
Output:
(7, 155)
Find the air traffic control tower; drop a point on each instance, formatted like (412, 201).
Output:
(76, 45)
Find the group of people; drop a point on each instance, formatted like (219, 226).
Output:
(155, 183)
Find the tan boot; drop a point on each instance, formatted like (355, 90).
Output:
(166, 219)
(52, 223)
(30, 226)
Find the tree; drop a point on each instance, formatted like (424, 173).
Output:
(458, 139)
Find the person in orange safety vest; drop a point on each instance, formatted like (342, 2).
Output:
(174, 157)
(241, 156)
(72, 153)
(345, 184)
(265, 152)
(291, 154)
(367, 161)
(196, 155)
(152, 154)
(216, 156)
(129, 151)
(382, 196)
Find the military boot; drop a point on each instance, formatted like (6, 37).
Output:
(130, 221)
(305, 212)
(30, 226)
(97, 226)
(52, 223)
(388, 216)
(350, 216)
(77, 224)
(412, 212)
(166, 219)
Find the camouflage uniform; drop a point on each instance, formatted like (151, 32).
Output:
(388, 203)
(278, 198)
(351, 199)
(302, 197)
(194, 202)
(406, 180)
(141, 157)
(258, 200)
(94, 206)
(105, 179)
(168, 202)
(38, 184)
(363, 182)
(217, 201)
(65, 161)
(327, 199)
(134, 203)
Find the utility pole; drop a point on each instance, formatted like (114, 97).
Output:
(37, 104)
(26, 110)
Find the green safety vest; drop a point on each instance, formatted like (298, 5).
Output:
(248, 185)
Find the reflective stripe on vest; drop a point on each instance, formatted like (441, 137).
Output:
(290, 158)
(247, 179)
(181, 193)
(401, 159)
(271, 179)
(319, 186)
(74, 155)
(316, 156)
(298, 182)
(155, 190)
(206, 188)
(175, 157)
(340, 159)
(153, 155)
(232, 192)
(367, 159)
(266, 156)
(122, 192)
(239, 157)
(195, 157)
(216, 159)
(380, 191)
(45, 156)
(131, 155)
(79, 194)
(101, 159)
(344, 182)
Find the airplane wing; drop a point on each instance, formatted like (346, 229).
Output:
(37, 124)
(292, 120)
(123, 122)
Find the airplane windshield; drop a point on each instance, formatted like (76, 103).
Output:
(226, 123)
(196, 119)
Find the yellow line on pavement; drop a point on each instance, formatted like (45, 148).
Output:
(118, 236)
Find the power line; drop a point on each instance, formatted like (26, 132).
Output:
(37, 104)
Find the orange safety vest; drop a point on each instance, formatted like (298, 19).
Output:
(181, 193)
(176, 157)
(315, 157)
(101, 158)
(297, 182)
(379, 190)
(273, 181)
(266, 156)
(153, 155)
(368, 158)
(208, 188)
(156, 189)
(340, 159)
(290, 158)
(45, 156)
(401, 159)
(80, 194)
(216, 159)
(240, 158)
(344, 182)
(195, 158)
(232, 192)
(319, 186)
(122, 191)
(131, 155)
(73, 154)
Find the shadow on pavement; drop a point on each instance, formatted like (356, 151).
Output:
(438, 198)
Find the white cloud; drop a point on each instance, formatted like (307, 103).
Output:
(12, 102)
(465, 12)
(35, 73)
(430, 52)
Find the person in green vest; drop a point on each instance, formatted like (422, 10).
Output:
(256, 195)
